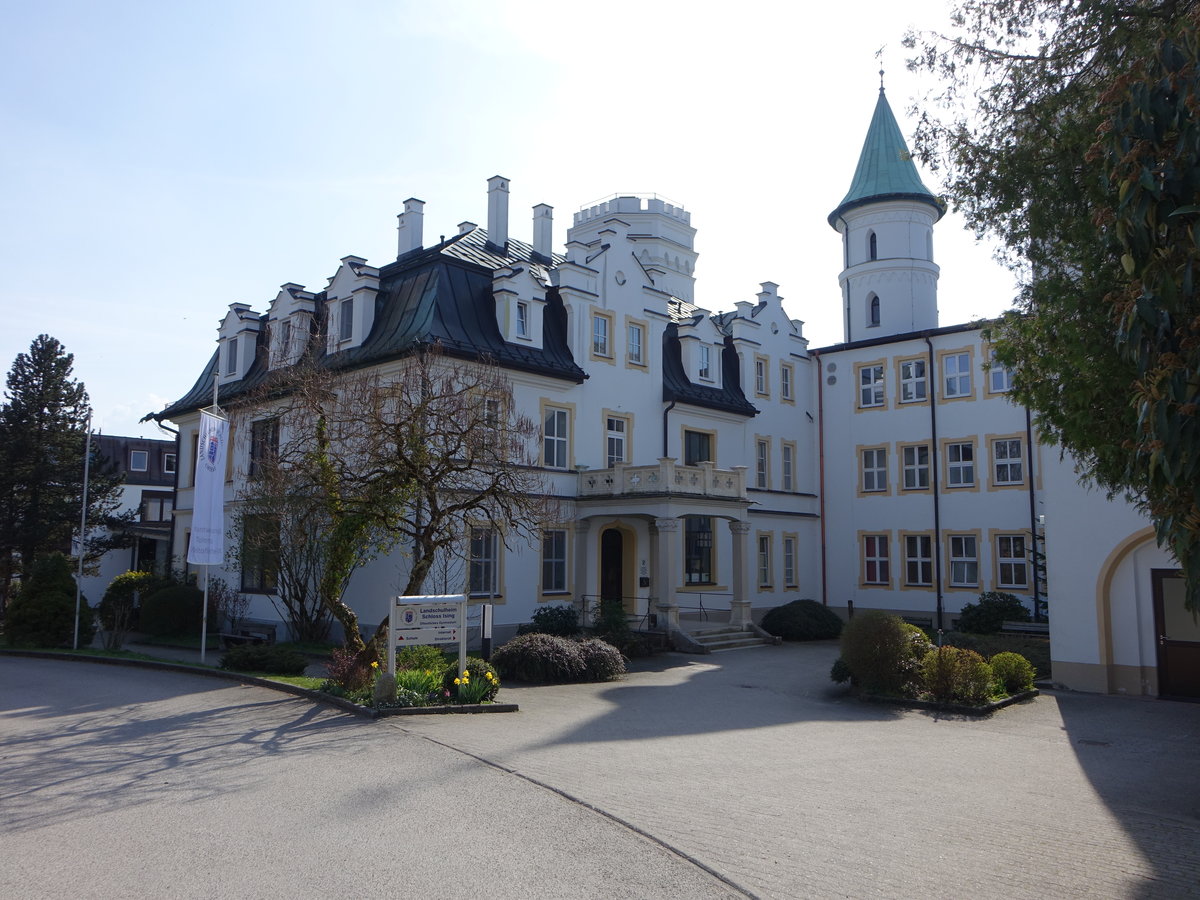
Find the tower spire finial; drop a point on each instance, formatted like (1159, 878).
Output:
(881, 79)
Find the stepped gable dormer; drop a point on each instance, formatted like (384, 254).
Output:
(350, 304)
(886, 219)
(291, 321)
(237, 337)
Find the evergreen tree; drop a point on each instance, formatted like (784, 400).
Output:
(43, 432)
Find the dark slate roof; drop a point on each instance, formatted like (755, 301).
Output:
(440, 295)
(678, 387)
(885, 168)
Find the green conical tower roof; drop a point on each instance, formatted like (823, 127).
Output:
(885, 167)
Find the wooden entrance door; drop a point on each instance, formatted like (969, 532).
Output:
(612, 566)
(1178, 635)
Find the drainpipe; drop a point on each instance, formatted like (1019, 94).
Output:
(846, 318)
(821, 474)
(933, 477)
(665, 442)
(1033, 532)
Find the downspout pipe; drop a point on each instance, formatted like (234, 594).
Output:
(666, 442)
(935, 485)
(846, 318)
(821, 475)
(1033, 523)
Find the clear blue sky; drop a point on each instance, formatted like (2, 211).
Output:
(163, 160)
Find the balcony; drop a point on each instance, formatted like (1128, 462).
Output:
(665, 478)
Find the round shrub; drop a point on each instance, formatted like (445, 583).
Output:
(803, 620)
(272, 659)
(560, 620)
(118, 608)
(478, 670)
(42, 614)
(601, 661)
(840, 672)
(424, 657)
(880, 650)
(172, 610)
(954, 675)
(1013, 671)
(991, 612)
(541, 657)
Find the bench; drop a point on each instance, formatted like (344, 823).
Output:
(1026, 627)
(249, 633)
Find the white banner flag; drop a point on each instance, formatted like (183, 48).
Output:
(207, 547)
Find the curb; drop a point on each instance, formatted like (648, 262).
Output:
(977, 711)
(363, 712)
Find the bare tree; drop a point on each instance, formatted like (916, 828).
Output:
(419, 451)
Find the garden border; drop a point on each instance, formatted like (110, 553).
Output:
(960, 708)
(364, 712)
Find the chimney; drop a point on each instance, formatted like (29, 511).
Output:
(497, 225)
(543, 230)
(411, 226)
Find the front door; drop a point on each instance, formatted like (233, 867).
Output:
(612, 565)
(1178, 635)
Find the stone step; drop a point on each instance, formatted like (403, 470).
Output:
(726, 638)
(735, 645)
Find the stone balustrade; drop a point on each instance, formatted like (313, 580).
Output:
(666, 477)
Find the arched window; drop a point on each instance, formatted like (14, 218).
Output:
(872, 310)
(872, 246)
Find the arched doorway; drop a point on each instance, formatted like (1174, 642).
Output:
(616, 555)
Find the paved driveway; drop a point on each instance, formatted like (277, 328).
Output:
(749, 764)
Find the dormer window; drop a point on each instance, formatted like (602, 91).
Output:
(231, 360)
(705, 362)
(138, 460)
(522, 319)
(346, 319)
(285, 339)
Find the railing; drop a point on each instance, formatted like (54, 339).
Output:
(589, 614)
(700, 607)
(664, 477)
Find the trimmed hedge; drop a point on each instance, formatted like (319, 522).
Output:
(954, 675)
(883, 653)
(1013, 671)
(991, 612)
(273, 659)
(560, 620)
(803, 620)
(551, 659)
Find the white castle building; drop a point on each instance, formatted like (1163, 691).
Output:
(713, 460)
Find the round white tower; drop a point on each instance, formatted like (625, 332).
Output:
(889, 278)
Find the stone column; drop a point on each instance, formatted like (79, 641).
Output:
(667, 572)
(582, 527)
(739, 607)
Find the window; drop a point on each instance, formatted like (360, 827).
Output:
(169, 463)
(555, 437)
(697, 447)
(872, 311)
(764, 560)
(786, 375)
(1012, 570)
(787, 470)
(285, 339)
(231, 359)
(789, 561)
(964, 560)
(697, 550)
(1000, 378)
(139, 460)
(916, 467)
(762, 461)
(635, 340)
(913, 381)
(874, 470)
(554, 561)
(872, 246)
(960, 464)
(870, 385)
(956, 375)
(260, 554)
(705, 368)
(875, 559)
(522, 319)
(157, 506)
(264, 444)
(493, 413)
(918, 559)
(1006, 462)
(616, 430)
(484, 562)
(600, 331)
(760, 377)
(346, 319)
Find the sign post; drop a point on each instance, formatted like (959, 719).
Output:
(433, 619)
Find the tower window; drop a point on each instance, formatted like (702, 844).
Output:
(873, 310)
(872, 246)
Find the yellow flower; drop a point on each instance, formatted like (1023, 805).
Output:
(489, 676)
(374, 665)
(458, 681)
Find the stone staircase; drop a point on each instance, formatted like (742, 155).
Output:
(727, 637)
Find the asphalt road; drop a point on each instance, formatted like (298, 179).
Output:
(751, 765)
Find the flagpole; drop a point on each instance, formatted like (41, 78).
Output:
(87, 459)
